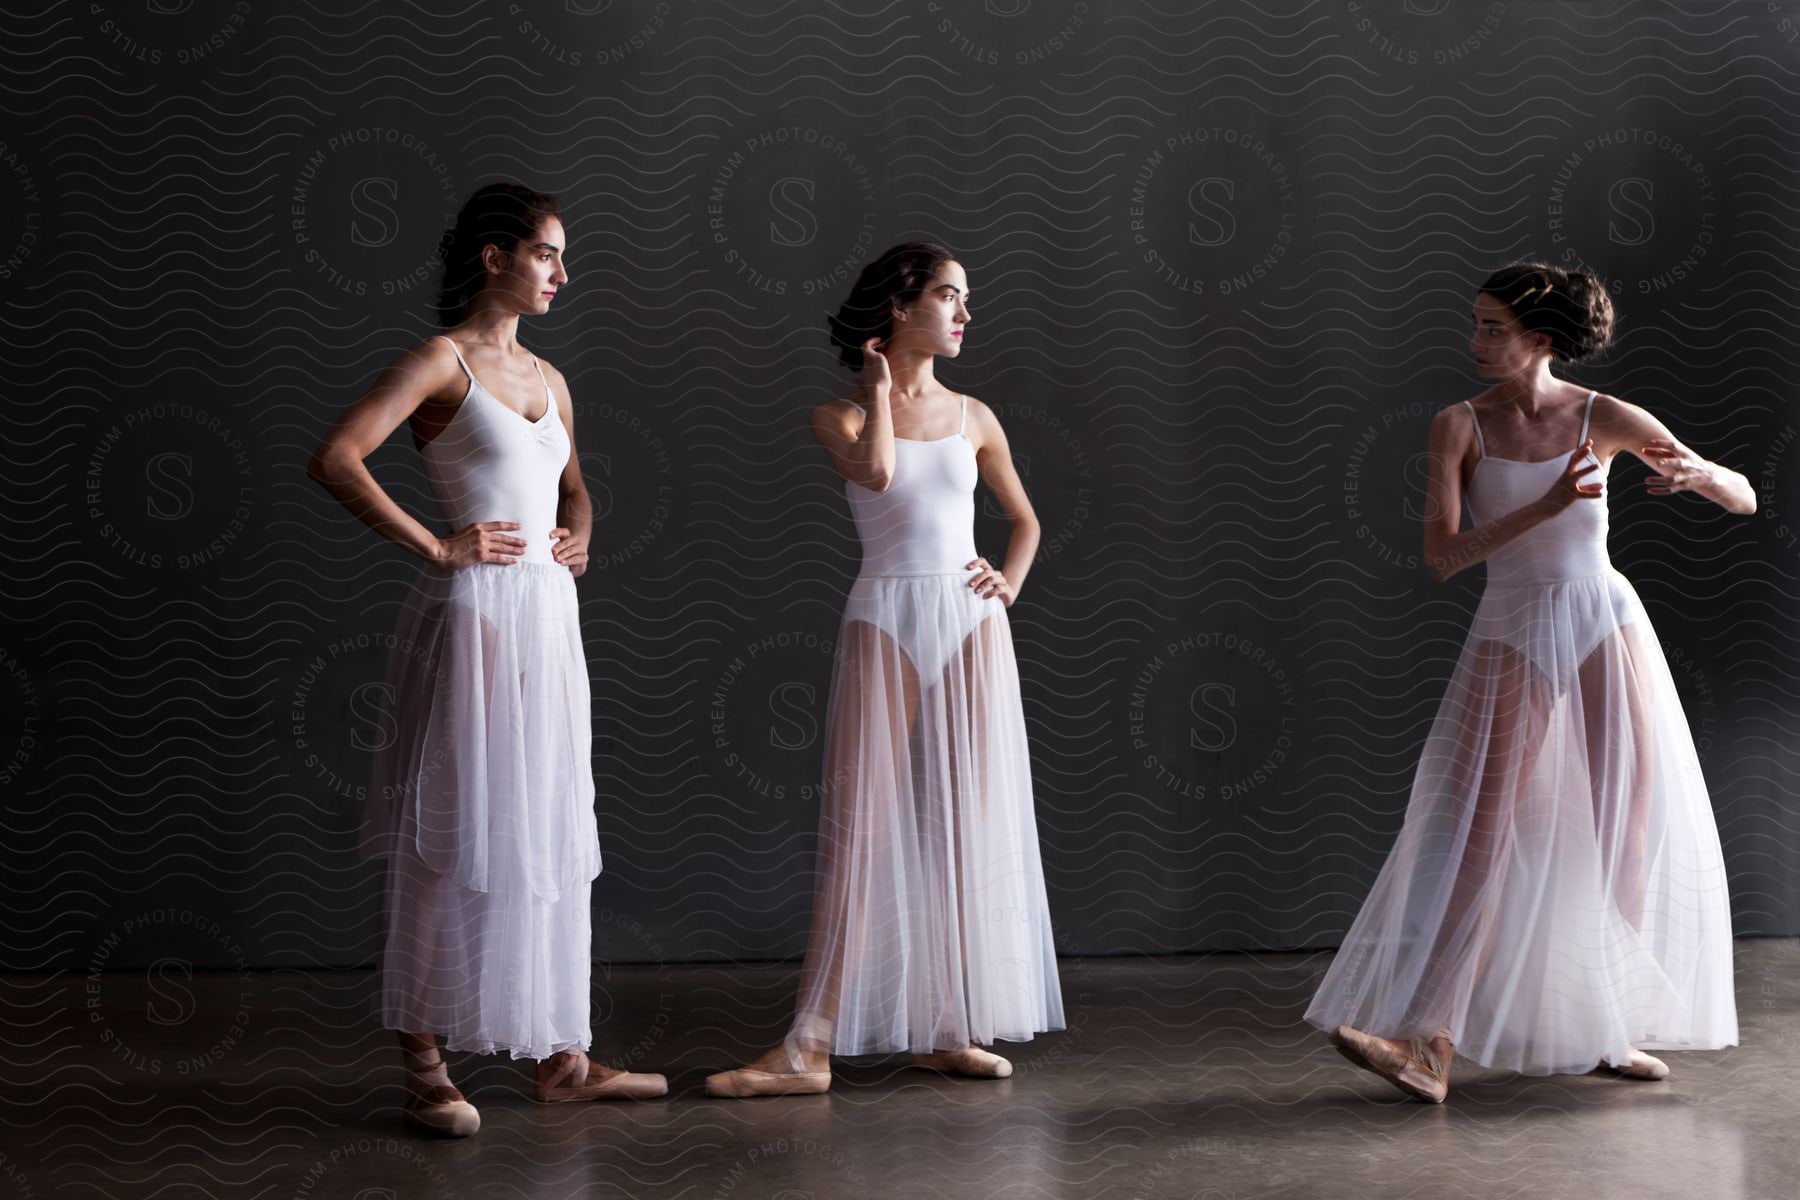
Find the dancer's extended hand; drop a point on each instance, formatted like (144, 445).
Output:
(1569, 486)
(1681, 469)
(569, 550)
(990, 582)
(481, 542)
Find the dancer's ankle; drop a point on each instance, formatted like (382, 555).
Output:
(427, 1075)
(810, 1060)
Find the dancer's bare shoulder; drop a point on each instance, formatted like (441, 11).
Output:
(840, 419)
(1452, 431)
(431, 370)
(983, 426)
(1619, 425)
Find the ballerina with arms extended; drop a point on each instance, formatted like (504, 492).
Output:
(1556, 900)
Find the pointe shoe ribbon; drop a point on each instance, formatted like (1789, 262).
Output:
(435, 1105)
(1415, 1071)
(569, 1081)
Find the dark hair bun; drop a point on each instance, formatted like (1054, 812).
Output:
(1572, 308)
(501, 214)
(898, 277)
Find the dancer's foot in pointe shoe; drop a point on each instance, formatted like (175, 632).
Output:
(1641, 1066)
(783, 1071)
(570, 1076)
(971, 1061)
(434, 1104)
(1417, 1067)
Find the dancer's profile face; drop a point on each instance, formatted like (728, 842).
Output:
(1501, 347)
(934, 322)
(528, 278)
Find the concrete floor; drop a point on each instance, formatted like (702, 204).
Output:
(1184, 1077)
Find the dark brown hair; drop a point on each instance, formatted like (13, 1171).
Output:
(898, 277)
(1571, 307)
(500, 214)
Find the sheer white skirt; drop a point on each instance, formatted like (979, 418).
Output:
(1557, 893)
(931, 929)
(483, 806)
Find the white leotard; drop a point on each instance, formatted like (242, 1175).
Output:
(918, 539)
(924, 523)
(492, 464)
(1570, 545)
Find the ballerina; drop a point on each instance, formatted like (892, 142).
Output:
(1556, 899)
(930, 929)
(483, 807)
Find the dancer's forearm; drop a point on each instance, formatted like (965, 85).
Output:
(575, 513)
(1446, 555)
(348, 479)
(1021, 549)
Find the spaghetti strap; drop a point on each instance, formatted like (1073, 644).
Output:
(549, 396)
(456, 350)
(964, 423)
(1582, 436)
(1479, 443)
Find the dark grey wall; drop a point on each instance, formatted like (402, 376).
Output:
(1222, 264)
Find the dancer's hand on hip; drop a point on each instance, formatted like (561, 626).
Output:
(569, 550)
(481, 542)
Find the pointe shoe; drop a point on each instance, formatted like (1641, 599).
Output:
(1415, 1071)
(435, 1106)
(1641, 1066)
(745, 1082)
(971, 1061)
(576, 1077)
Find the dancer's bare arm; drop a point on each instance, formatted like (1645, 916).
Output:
(993, 457)
(418, 373)
(574, 510)
(861, 444)
(1675, 467)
